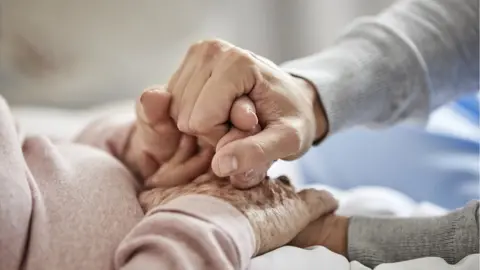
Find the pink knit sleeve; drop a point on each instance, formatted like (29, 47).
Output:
(191, 232)
(110, 134)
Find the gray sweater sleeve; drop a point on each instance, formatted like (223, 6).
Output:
(399, 65)
(452, 237)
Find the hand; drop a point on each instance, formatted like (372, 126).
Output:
(275, 212)
(213, 75)
(329, 231)
(152, 149)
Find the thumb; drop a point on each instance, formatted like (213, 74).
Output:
(153, 106)
(252, 177)
(242, 155)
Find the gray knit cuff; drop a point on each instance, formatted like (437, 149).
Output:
(373, 241)
(370, 77)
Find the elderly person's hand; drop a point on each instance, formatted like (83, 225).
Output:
(211, 78)
(275, 211)
(155, 139)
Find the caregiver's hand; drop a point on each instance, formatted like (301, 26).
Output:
(329, 231)
(212, 76)
(275, 211)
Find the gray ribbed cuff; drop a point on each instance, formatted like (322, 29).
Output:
(373, 241)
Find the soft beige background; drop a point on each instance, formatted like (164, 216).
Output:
(75, 54)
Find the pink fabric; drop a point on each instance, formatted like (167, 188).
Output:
(71, 205)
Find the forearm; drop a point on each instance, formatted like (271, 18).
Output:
(192, 232)
(401, 64)
(372, 241)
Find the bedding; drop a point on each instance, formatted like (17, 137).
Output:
(368, 201)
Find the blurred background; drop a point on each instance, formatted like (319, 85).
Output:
(76, 54)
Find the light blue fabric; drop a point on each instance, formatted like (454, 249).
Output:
(469, 107)
(426, 166)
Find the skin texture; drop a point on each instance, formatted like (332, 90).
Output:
(275, 211)
(217, 72)
(173, 164)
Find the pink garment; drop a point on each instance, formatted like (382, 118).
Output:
(68, 205)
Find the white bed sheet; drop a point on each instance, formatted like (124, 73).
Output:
(369, 201)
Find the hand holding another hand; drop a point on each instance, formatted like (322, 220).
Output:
(212, 77)
(275, 211)
(174, 164)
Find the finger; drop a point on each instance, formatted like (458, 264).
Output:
(205, 61)
(318, 202)
(157, 130)
(243, 114)
(144, 164)
(186, 149)
(213, 136)
(231, 78)
(204, 178)
(186, 173)
(180, 79)
(153, 106)
(236, 134)
(160, 141)
(242, 155)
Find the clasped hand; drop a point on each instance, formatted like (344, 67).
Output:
(174, 164)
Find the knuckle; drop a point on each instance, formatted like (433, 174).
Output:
(183, 126)
(213, 45)
(294, 139)
(209, 47)
(218, 43)
(258, 150)
(196, 127)
(195, 47)
(241, 57)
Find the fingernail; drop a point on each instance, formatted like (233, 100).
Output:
(228, 165)
(250, 176)
(254, 115)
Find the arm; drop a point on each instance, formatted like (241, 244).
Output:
(414, 57)
(373, 241)
(16, 204)
(190, 232)
(110, 134)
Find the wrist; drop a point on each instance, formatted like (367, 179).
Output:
(330, 231)
(321, 121)
(337, 239)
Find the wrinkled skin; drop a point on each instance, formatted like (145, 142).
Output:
(173, 164)
(213, 75)
(275, 211)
